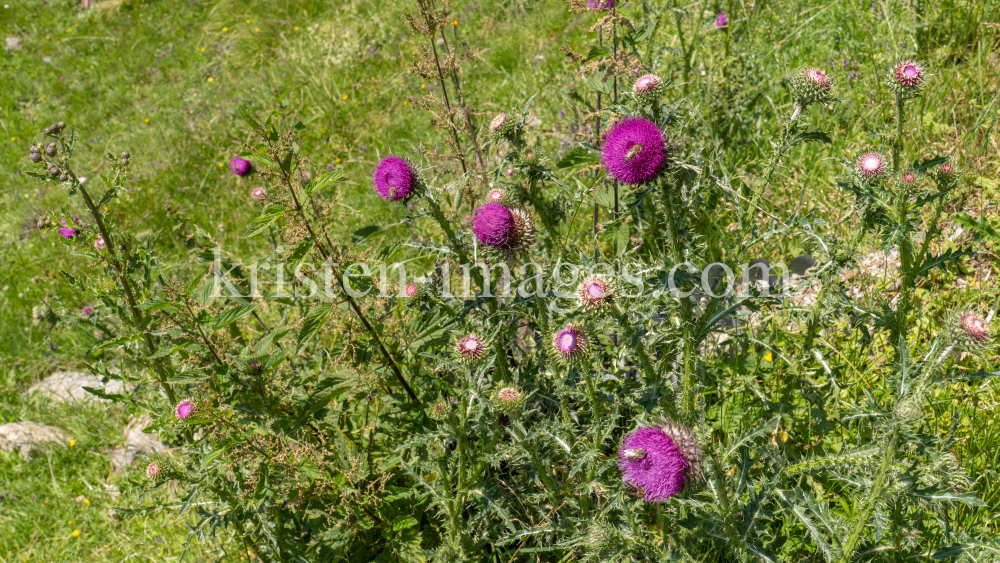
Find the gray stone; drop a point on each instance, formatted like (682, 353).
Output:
(67, 386)
(24, 436)
(137, 443)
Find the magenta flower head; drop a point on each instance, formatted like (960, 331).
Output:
(721, 20)
(184, 409)
(601, 4)
(505, 229)
(870, 165)
(240, 166)
(969, 332)
(470, 348)
(99, 243)
(508, 400)
(634, 151)
(908, 178)
(86, 311)
(660, 460)
(569, 345)
(411, 289)
(68, 233)
(947, 169)
(811, 85)
(497, 195)
(595, 292)
(153, 471)
(394, 179)
(907, 77)
(258, 193)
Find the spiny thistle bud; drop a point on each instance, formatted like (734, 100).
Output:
(570, 344)
(946, 175)
(906, 78)
(634, 150)
(50, 129)
(530, 158)
(908, 178)
(411, 289)
(811, 85)
(43, 314)
(99, 244)
(238, 166)
(870, 166)
(416, 292)
(504, 127)
(126, 156)
(53, 171)
(258, 193)
(160, 470)
(439, 410)
(506, 230)
(394, 178)
(61, 125)
(497, 195)
(970, 333)
(43, 223)
(63, 177)
(35, 157)
(185, 409)
(153, 471)
(660, 460)
(470, 348)
(594, 292)
(50, 149)
(508, 400)
(947, 169)
(910, 409)
(648, 88)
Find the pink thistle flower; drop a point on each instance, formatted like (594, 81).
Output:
(498, 121)
(496, 195)
(646, 84)
(871, 164)
(510, 171)
(470, 348)
(240, 166)
(502, 228)
(184, 409)
(594, 292)
(68, 233)
(721, 20)
(908, 74)
(258, 193)
(634, 151)
(86, 311)
(974, 327)
(393, 178)
(601, 4)
(411, 289)
(818, 78)
(947, 169)
(153, 470)
(99, 243)
(570, 343)
(908, 177)
(659, 461)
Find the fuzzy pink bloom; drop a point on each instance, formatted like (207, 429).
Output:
(508, 394)
(871, 164)
(470, 347)
(974, 327)
(634, 151)
(498, 121)
(645, 84)
(258, 193)
(86, 311)
(68, 233)
(909, 178)
(721, 19)
(152, 470)
(570, 343)
(908, 74)
(653, 463)
(818, 78)
(510, 171)
(99, 243)
(240, 166)
(411, 289)
(947, 169)
(184, 409)
(495, 226)
(495, 195)
(393, 179)
(594, 291)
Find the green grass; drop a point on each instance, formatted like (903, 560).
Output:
(164, 80)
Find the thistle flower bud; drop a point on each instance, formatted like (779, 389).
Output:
(43, 223)
(721, 20)
(504, 127)
(49, 129)
(394, 179)
(160, 470)
(239, 166)
(86, 311)
(648, 89)
(634, 151)
(50, 149)
(594, 292)
(973, 332)
(811, 85)
(908, 178)
(61, 125)
(411, 289)
(64, 177)
(35, 157)
(470, 348)
(570, 344)
(660, 460)
(870, 166)
(99, 244)
(947, 169)
(53, 171)
(153, 471)
(497, 195)
(530, 158)
(125, 156)
(439, 410)
(906, 78)
(33, 148)
(508, 400)
(258, 193)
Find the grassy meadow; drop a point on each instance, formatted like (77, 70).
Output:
(164, 80)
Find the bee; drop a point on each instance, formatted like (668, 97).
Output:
(633, 152)
(634, 454)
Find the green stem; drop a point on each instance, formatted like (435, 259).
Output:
(772, 162)
(874, 494)
(689, 384)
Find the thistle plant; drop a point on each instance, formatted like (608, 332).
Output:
(623, 413)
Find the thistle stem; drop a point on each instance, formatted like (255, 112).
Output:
(776, 154)
(874, 494)
(689, 385)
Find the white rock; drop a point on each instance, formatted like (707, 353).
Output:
(13, 43)
(24, 436)
(65, 386)
(137, 443)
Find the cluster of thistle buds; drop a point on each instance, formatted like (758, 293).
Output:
(811, 85)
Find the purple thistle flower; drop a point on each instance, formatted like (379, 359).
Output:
(871, 164)
(974, 327)
(393, 178)
(470, 348)
(86, 311)
(411, 289)
(153, 470)
(818, 78)
(908, 74)
(909, 178)
(594, 292)
(647, 83)
(99, 243)
(570, 343)
(947, 169)
(660, 461)
(634, 151)
(601, 4)
(68, 233)
(240, 166)
(184, 409)
(721, 20)
(497, 226)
